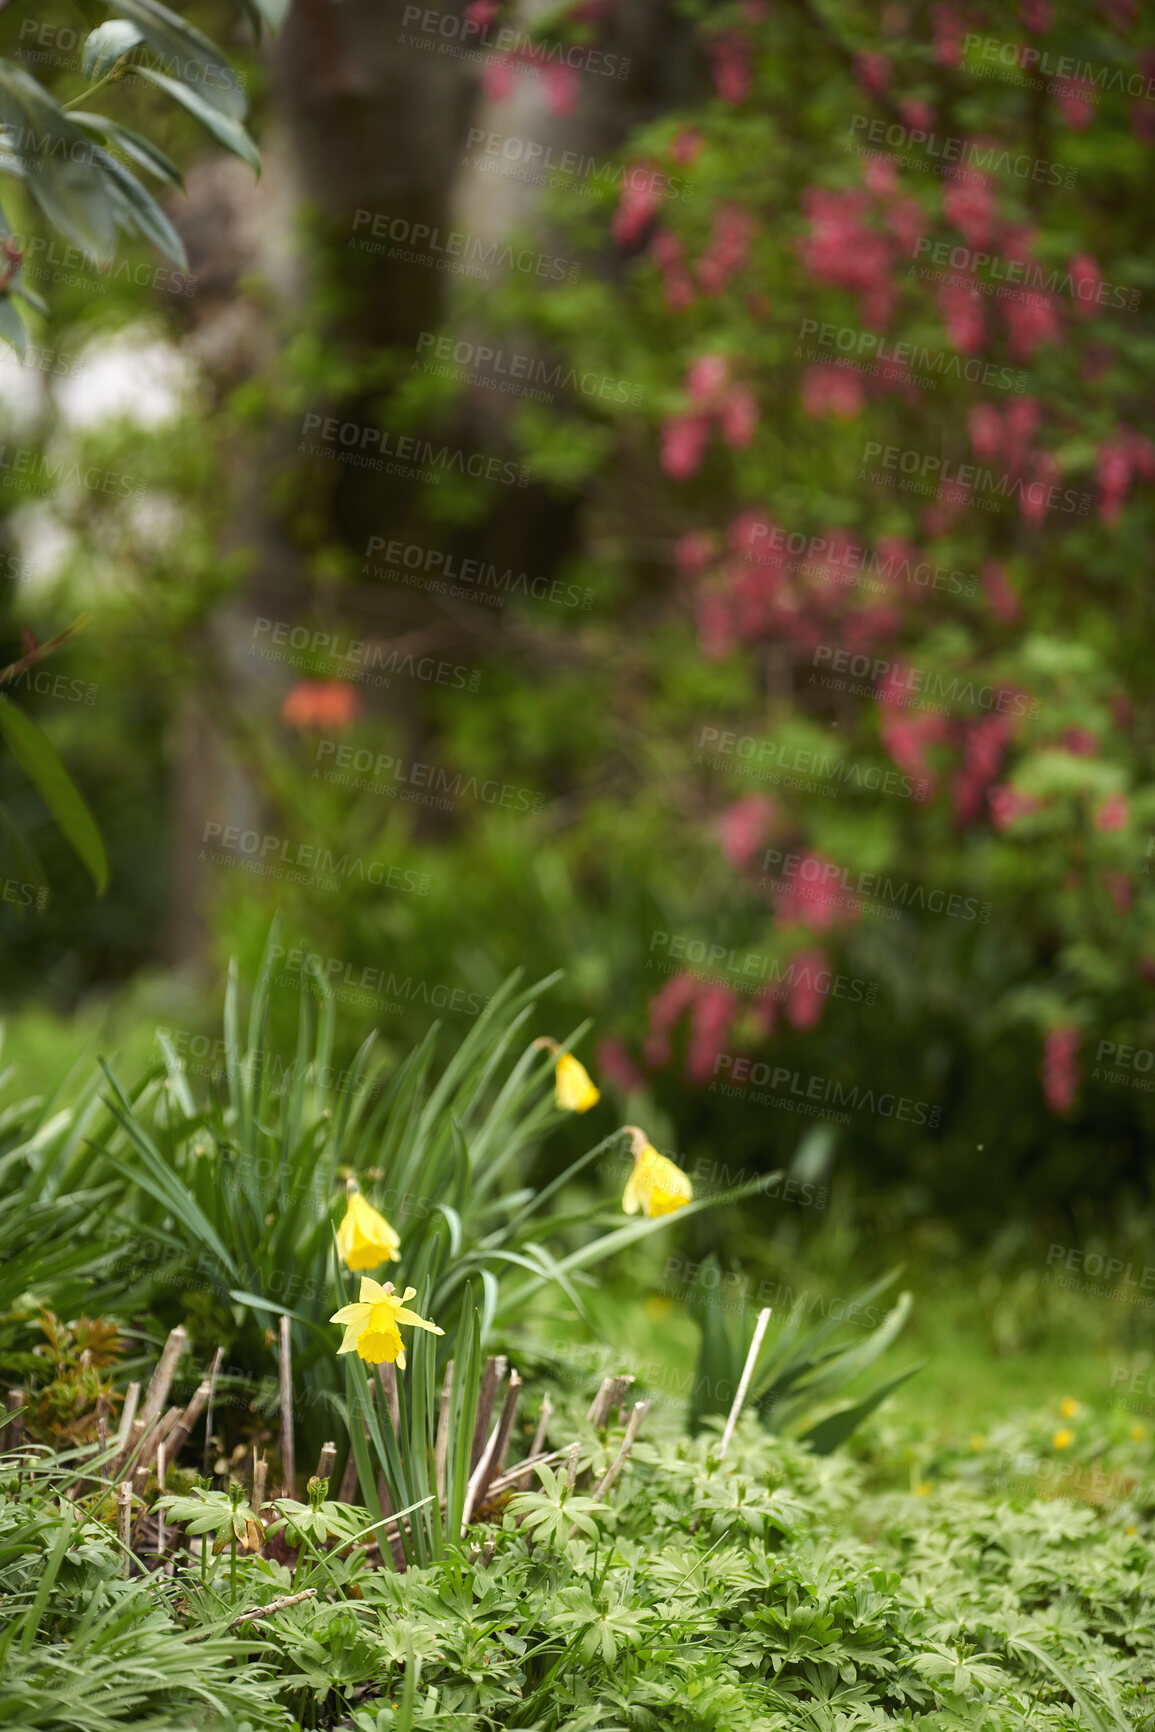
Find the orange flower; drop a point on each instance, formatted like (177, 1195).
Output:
(321, 704)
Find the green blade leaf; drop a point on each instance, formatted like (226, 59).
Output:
(224, 129)
(825, 1437)
(37, 757)
(139, 210)
(60, 174)
(191, 55)
(134, 145)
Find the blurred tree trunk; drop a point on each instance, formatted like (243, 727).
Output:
(366, 122)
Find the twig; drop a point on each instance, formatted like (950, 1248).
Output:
(611, 1394)
(495, 1455)
(163, 1375)
(288, 1458)
(387, 1378)
(214, 1369)
(182, 1431)
(542, 1422)
(128, 1413)
(13, 1431)
(255, 1613)
(475, 1478)
(485, 1398)
(441, 1447)
(325, 1460)
(260, 1476)
(641, 1408)
(124, 1523)
(160, 1468)
(571, 1471)
(507, 1481)
(744, 1380)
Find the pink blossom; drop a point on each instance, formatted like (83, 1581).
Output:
(984, 744)
(667, 1005)
(684, 441)
(1044, 475)
(950, 31)
(747, 531)
(1076, 100)
(880, 175)
(669, 256)
(499, 76)
(1113, 814)
(686, 146)
(694, 551)
(1036, 16)
(970, 206)
(1121, 13)
(1032, 322)
(731, 62)
(842, 250)
(907, 222)
(739, 417)
(483, 13)
(1060, 1067)
(640, 197)
(985, 426)
(1087, 279)
(707, 378)
(997, 589)
(873, 72)
(733, 231)
(804, 1001)
(1121, 891)
(1113, 474)
(1080, 742)
(918, 115)
(746, 827)
(1008, 806)
(614, 1063)
(964, 316)
(710, 1018)
(807, 899)
(828, 389)
(1023, 416)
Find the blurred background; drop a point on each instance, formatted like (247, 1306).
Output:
(661, 492)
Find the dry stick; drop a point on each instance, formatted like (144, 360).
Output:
(542, 1422)
(255, 1613)
(128, 1413)
(124, 1523)
(571, 1470)
(641, 1408)
(160, 1467)
(349, 1482)
(387, 1377)
(182, 1431)
(441, 1446)
(485, 1397)
(495, 1455)
(163, 1375)
(611, 1394)
(325, 1460)
(476, 1476)
(13, 1432)
(288, 1457)
(520, 1473)
(744, 1380)
(216, 1365)
(260, 1475)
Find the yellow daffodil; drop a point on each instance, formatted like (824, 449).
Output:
(1069, 1407)
(365, 1238)
(1138, 1432)
(978, 1441)
(372, 1324)
(574, 1091)
(656, 1185)
(1063, 1439)
(922, 1489)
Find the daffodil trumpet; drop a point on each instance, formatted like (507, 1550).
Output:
(373, 1324)
(365, 1239)
(656, 1186)
(574, 1090)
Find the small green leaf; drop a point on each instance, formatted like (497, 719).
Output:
(57, 162)
(38, 758)
(107, 44)
(189, 54)
(138, 209)
(226, 131)
(134, 145)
